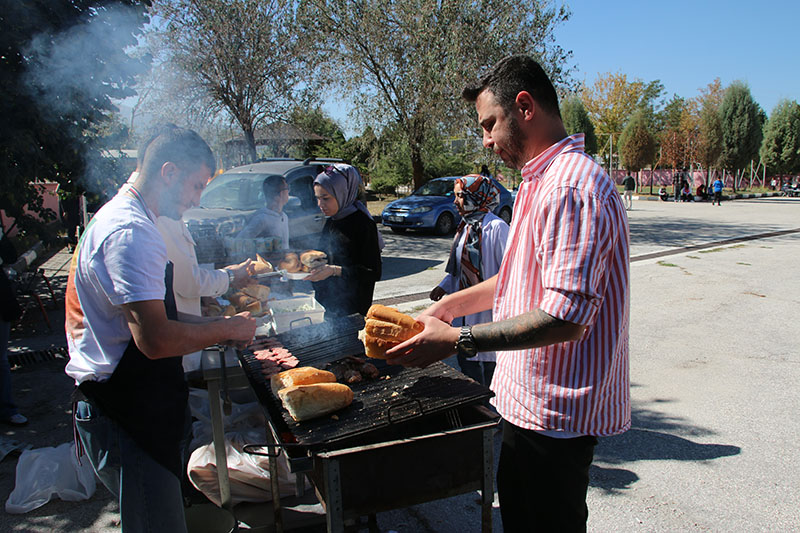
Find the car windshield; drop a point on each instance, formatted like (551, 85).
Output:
(234, 191)
(436, 188)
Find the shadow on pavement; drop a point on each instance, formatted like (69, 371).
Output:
(398, 267)
(651, 438)
(673, 233)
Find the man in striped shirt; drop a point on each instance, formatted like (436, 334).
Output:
(560, 303)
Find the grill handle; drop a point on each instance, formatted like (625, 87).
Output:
(298, 320)
(403, 404)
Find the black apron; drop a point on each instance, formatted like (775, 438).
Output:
(148, 398)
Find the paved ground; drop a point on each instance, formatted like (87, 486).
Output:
(714, 367)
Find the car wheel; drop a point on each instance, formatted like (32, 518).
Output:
(398, 230)
(444, 224)
(505, 214)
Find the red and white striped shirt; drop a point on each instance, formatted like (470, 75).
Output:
(567, 254)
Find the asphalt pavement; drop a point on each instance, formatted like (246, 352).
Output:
(714, 367)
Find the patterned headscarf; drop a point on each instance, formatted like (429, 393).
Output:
(342, 182)
(481, 196)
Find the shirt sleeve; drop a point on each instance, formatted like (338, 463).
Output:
(125, 272)
(576, 236)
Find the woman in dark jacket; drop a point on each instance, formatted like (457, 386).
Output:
(352, 242)
(9, 311)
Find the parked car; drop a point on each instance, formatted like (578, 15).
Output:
(233, 196)
(431, 207)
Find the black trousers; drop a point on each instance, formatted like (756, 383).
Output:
(542, 481)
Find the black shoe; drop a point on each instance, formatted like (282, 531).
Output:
(16, 420)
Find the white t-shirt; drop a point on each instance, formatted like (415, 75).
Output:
(121, 259)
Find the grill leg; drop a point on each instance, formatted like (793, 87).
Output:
(333, 496)
(487, 484)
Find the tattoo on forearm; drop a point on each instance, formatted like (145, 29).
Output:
(528, 330)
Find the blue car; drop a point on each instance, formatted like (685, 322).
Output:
(431, 207)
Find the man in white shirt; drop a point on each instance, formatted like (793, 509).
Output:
(125, 339)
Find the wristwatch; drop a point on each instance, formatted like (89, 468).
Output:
(231, 277)
(466, 342)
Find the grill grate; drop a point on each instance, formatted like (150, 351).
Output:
(399, 397)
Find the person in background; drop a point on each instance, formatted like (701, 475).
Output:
(352, 242)
(717, 188)
(9, 312)
(477, 251)
(560, 306)
(485, 171)
(125, 336)
(701, 192)
(662, 193)
(629, 184)
(270, 220)
(686, 193)
(190, 281)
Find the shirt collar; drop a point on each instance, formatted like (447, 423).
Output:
(534, 168)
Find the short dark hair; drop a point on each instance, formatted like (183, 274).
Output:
(181, 146)
(158, 130)
(272, 186)
(511, 76)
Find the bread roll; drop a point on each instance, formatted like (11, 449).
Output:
(312, 259)
(290, 263)
(229, 311)
(240, 300)
(386, 327)
(254, 307)
(305, 402)
(376, 348)
(303, 375)
(259, 292)
(389, 331)
(390, 314)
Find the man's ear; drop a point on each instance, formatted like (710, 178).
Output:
(526, 105)
(169, 172)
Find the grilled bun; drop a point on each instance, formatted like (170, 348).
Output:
(312, 259)
(387, 327)
(291, 263)
(304, 375)
(305, 402)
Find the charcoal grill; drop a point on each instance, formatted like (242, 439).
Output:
(411, 436)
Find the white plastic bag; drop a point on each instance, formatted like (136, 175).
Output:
(46, 471)
(249, 474)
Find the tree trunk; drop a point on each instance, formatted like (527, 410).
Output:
(250, 139)
(417, 168)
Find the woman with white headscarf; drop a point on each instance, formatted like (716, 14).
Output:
(476, 254)
(351, 239)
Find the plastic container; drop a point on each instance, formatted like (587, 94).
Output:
(296, 312)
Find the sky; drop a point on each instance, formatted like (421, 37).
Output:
(687, 44)
(684, 44)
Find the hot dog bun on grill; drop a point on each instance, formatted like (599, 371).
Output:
(303, 375)
(305, 402)
(386, 327)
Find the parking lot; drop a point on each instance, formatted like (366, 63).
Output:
(714, 367)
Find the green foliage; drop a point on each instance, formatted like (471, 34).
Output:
(63, 62)
(780, 150)
(741, 120)
(637, 143)
(576, 120)
(405, 63)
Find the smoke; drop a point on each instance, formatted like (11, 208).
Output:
(73, 76)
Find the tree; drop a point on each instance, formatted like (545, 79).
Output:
(576, 120)
(709, 138)
(637, 144)
(612, 100)
(780, 150)
(741, 120)
(242, 55)
(63, 62)
(405, 63)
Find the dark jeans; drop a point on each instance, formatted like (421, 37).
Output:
(542, 481)
(150, 498)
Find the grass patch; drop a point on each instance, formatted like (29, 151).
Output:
(692, 257)
(742, 263)
(721, 249)
(665, 264)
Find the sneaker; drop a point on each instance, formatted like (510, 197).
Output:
(16, 420)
